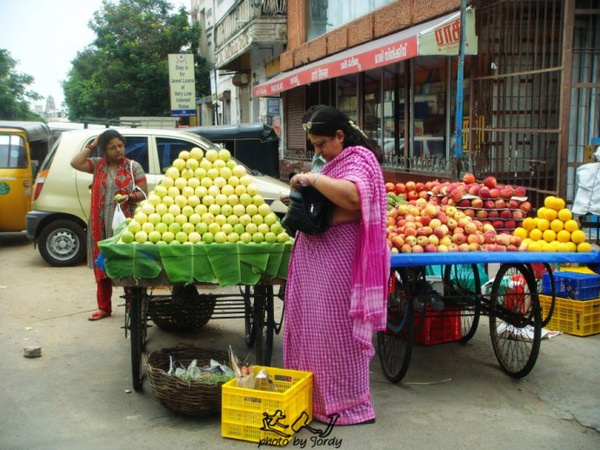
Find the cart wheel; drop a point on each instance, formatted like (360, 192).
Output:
(395, 343)
(138, 309)
(249, 335)
(547, 313)
(515, 319)
(462, 290)
(263, 324)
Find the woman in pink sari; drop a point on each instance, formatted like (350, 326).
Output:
(113, 174)
(336, 289)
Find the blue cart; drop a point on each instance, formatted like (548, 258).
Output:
(455, 288)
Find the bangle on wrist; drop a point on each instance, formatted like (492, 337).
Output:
(316, 178)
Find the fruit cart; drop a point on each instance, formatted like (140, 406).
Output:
(258, 271)
(440, 297)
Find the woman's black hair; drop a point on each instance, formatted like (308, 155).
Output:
(327, 120)
(107, 136)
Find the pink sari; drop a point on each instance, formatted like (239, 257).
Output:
(336, 296)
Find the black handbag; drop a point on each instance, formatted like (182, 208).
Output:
(309, 211)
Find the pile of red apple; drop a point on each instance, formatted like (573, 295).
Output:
(424, 226)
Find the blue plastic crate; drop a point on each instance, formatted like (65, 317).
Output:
(574, 285)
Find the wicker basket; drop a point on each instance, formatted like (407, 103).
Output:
(190, 398)
(186, 310)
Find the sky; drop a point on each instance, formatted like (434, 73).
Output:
(44, 36)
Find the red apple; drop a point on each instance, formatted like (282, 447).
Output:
(498, 224)
(484, 192)
(463, 247)
(476, 203)
(506, 214)
(430, 248)
(406, 248)
(441, 231)
(525, 206)
(468, 178)
(494, 193)
(418, 249)
(389, 187)
(422, 241)
(493, 214)
(489, 204)
(490, 182)
(481, 214)
(459, 238)
(474, 189)
(520, 191)
(464, 203)
(500, 204)
(510, 224)
(433, 239)
(518, 214)
(400, 188)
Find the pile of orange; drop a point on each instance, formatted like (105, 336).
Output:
(553, 229)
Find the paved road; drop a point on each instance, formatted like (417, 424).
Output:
(76, 396)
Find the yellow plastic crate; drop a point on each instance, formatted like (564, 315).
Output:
(577, 317)
(245, 413)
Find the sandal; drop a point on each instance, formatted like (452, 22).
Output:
(97, 315)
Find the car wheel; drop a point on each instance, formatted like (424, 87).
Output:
(62, 243)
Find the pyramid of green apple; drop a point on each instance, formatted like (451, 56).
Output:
(204, 199)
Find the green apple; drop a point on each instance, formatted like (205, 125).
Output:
(205, 164)
(193, 200)
(193, 182)
(179, 164)
(239, 228)
(270, 237)
(147, 227)
(167, 200)
(258, 237)
(221, 199)
(246, 238)
(270, 218)
(264, 209)
(188, 228)
(196, 153)
(251, 228)
(214, 228)
(194, 237)
(161, 227)
(245, 219)
(188, 191)
(245, 199)
(232, 238)
(233, 199)
(212, 155)
(160, 190)
(184, 154)
(195, 219)
(257, 219)
(201, 227)
(181, 237)
(175, 209)
(140, 217)
(283, 237)
(258, 199)
(233, 219)
(181, 200)
(212, 173)
(141, 237)
(224, 154)
(118, 198)
(239, 171)
(208, 200)
(227, 228)
(168, 218)
(277, 228)
(231, 164)
(168, 182)
(187, 173)
(234, 181)
(168, 236)
(220, 237)
(225, 172)
(175, 227)
(246, 180)
(154, 236)
(154, 199)
(187, 210)
(227, 210)
(134, 226)
(214, 209)
(161, 209)
(263, 228)
(239, 210)
(219, 181)
(173, 192)
(200, 209)
(228, 190)
(181, 219)
(240, 189)
(220, 219)
(208, 218)
(206, 182)
(180, 183)
(219, 164)
(172, 173)
(127, 237)
(200, 173)
(192, 163)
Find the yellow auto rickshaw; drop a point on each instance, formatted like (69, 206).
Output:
(23, 147)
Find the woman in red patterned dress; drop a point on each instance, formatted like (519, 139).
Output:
(336, 288)
(113, 174)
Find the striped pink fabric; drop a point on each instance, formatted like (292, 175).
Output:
(325, 286)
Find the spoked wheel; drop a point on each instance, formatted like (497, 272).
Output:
(539, 276)
(263, 324)
(137, 313)
(395, 343)
(515, 319)
(462, 291)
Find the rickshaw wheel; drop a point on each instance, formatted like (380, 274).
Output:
(138, 309)
(462, 290)
(249, 333)
(515, 319)
(547, 313)
(263, 324)
(395, 343)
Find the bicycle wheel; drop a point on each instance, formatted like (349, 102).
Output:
(547, 313)
(462, 291)
(138, 307)
(515, 319)
(263, 324)
(395, 343)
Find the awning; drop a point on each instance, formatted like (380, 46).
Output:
(440, 36)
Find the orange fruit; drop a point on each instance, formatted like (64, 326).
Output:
(520, 232)
(565, 214)
(577, 236)
(551, 246)
(548, 201)
(535, 234)
(563, 236)
(557, 204)
(550, 214)
(572, 246)
(571, 225)
(584, 247)
(543, 224)
(549, 235)
(541, 212)
(535, 246)
(556, 225)
(562, 247)
(529, 223)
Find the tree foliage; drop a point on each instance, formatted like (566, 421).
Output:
(124, 72)
(14, 95)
